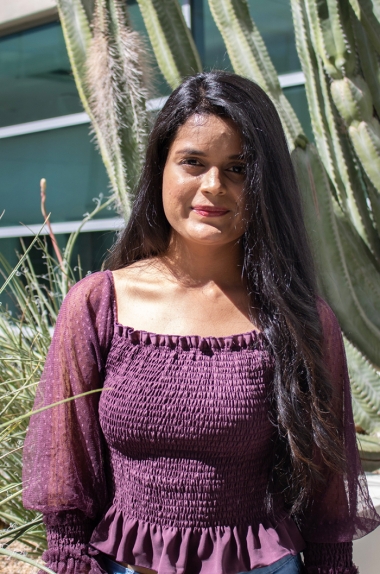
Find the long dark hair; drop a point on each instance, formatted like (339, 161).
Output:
(278, 269)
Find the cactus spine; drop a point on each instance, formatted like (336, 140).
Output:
(171, 39)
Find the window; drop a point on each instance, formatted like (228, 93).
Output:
(36, 83)
(35, 76)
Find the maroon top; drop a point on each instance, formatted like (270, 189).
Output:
(168, 466)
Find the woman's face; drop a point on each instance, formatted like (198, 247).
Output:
(203, 180)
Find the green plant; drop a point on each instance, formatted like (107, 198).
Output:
(171, 40)
(337, 50)
(24, 341)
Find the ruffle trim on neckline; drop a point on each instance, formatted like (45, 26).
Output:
(232, 342)
(220, 549)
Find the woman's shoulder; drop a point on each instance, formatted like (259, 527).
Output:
(92, 292)
(100, 288)
(89, 307)
(92, 285)
(145, 269)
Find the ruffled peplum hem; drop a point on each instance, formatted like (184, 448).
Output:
(218, 549)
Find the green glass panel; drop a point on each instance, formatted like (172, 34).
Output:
(272, 17)
(9, 246)
(207, 38)
(35, 76)
(71, 165)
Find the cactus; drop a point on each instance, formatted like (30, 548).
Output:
(342, 107)
(109, 66)
(172, 42)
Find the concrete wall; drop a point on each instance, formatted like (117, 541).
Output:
(17, 15)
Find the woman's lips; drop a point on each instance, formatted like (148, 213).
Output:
(206, 211)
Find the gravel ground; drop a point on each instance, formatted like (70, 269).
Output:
(12, 566)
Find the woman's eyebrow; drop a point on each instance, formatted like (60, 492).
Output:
(191, 151)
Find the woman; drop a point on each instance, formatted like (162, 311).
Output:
(208, 451)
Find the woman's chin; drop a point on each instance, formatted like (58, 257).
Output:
(205, 234)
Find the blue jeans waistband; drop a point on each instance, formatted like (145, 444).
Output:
(112, 567)
(287, 565)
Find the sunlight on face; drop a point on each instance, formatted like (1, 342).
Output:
(203, 181)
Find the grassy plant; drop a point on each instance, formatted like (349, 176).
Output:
(25, 337)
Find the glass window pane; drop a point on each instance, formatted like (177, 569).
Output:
(274, 20)
(35, 76)
(207, 38)
(70, 163)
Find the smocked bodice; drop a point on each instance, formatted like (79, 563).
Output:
(180, 416)
(190, 442)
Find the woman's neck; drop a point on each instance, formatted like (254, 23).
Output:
(196, 265)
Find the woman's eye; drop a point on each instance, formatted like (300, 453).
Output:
(190, 161)
(238, 169)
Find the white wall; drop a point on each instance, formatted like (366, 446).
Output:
(19, 14)
(367, 549)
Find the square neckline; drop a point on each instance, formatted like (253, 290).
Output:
(133, 333)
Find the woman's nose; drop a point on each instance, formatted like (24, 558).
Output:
(212, 181)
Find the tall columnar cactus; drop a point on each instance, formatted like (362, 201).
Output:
(250, 58)
(339, 53)
(172, 42)
(109, 66)
(342, 108)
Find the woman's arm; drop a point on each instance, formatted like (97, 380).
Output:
(334, 558)
(64, 467)
(342, 511)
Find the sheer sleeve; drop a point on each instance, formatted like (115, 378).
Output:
(343, 510)
(64, 470)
